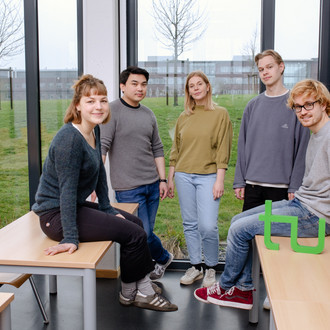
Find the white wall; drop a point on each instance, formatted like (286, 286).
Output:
(101, 43)
(102, 59)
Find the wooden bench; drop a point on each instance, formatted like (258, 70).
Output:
(22, 245)
(297, 284)
(5, 300)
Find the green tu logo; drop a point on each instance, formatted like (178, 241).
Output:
(268, 218)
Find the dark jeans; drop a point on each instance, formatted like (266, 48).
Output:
(257, 195)
(95, 225)
(148, 198)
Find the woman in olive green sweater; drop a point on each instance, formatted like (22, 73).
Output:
(198, 161)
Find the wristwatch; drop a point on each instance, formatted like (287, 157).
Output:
(163, 180)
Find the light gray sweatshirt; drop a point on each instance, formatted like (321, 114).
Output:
(314, 192)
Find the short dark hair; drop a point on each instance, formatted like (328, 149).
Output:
(132, 70)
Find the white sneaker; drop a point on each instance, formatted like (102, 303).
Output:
(209, 278)
(192, 274)
(266, 304)
(159, 270)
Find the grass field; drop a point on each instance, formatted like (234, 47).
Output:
(14, 199)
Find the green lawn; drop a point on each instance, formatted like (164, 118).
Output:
(169, 224)
(14, 199)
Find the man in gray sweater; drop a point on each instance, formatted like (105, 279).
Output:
(310, 100)
(272, 142)
(137, 164)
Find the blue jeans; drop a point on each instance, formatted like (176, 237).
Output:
(148, 198)
(199, 213)
(246, 225)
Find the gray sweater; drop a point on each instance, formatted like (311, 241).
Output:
(314, 192)
(71, 172)
(132, 140)
(272, 144)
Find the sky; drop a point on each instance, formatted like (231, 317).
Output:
(231, 24)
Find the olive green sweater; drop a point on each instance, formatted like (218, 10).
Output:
(202, 141)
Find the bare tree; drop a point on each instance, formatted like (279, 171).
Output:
(250, 50)
(11, 29)
(178, 24)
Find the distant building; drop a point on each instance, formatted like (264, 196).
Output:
(238, 76)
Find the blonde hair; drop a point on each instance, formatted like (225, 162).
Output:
(189, 102)
(87, 85)
(270, 52)
(313, 88)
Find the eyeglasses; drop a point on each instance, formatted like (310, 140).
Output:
(307, 106)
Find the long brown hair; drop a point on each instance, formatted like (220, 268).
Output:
(189, 102)
(87, 85)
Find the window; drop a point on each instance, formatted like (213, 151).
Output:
(58, 63)
(223, 54)
(14, 196)
(298, 43)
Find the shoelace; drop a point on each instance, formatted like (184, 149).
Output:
(209, 273)
(214, 289)
(230, 291)
(190, 271)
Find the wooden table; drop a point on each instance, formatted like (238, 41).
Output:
(5, 300)
(22, 245)
(298, 284)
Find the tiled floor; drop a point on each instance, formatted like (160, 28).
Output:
(65, 308)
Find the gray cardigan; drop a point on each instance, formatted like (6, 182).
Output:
(71, 172)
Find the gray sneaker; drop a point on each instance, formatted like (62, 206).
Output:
(192, 274)
(209, 278)
(125, 301)
(154, 302)
(156, 288)
(159, 270)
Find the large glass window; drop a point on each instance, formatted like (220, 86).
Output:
(224, 52)
(228, 34)
(58, 63)
(58, 69)
(14, 186)
(298, 43)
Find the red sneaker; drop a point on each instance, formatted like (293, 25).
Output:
(202, 294)
(234, 297)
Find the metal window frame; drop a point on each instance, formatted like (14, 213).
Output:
(267, 34)
(32, 95)
(132, 32)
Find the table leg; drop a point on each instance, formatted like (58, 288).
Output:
(89, 296)
(52, 284)
(5, 319)
(271, 321)
(253, 314)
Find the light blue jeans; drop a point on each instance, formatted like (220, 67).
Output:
(246, 225)
(199, 213)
